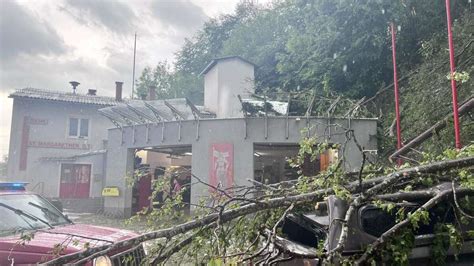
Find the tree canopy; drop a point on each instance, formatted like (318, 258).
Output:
(334, 48)
(325, 46)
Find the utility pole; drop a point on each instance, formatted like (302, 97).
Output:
(395, 85)
(133, 71)
(457, 131)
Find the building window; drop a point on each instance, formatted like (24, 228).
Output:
(78, 127)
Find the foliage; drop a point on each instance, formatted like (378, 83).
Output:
(462, 77)
(329, 49)
(342, 48)
(338, 48)
(232, 242)
(160, 78)
(446, 236)
(301, 43)
(426, 93)
(398, 249)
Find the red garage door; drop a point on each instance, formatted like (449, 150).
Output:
(75, 181)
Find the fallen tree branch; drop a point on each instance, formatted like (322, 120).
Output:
(332, 254)
(415, 195)
(168, 253)
(382, 90)
(271, 236)
(376, 184)
(389, 233)
(358, 201)
(463, 109)
(457, 203)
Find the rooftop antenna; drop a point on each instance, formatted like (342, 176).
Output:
(74, 86)
(133, 72)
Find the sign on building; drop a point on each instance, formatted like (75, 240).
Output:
(221, 170)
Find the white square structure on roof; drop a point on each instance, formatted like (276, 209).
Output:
(225, 79)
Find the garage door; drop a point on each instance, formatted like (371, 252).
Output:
(75, 181)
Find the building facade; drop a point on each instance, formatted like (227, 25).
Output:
(76, 146)
(58, 142)
(223, 143)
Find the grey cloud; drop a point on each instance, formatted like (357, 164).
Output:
(182, 14)
(21, 32)
(54, 73)
(120, 61)
(114, 15)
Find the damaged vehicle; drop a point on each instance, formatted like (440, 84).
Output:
(34, 231)
(306, 237)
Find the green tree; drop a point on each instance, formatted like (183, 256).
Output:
(160, 78)
(259, 40)
(208, 43)
(348, 43)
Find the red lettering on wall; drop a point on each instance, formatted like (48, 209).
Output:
(37, 121)
(25, 135)
(58, 145)
(26, 142)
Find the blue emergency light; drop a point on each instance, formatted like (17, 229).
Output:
(13, 186)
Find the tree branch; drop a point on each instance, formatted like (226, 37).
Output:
(377, 184)
(385, 236)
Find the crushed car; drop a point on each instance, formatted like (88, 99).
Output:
(301, 234)
(34, 231)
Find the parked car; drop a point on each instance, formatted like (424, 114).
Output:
(33, 230)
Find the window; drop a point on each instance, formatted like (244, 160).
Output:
(84, 132)
(78, 127)
(73, 126)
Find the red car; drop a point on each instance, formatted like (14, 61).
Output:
(32, 231)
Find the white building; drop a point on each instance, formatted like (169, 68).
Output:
(58, 142)
(72, 145)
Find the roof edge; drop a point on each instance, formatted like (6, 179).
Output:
(216, 60)
(35, 94)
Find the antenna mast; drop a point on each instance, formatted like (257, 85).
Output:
(133, 72)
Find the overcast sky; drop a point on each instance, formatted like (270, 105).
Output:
(47, 43)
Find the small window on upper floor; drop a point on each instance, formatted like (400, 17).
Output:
(78, 127)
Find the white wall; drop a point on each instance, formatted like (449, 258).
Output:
(227, 79)
(232, 131)
(56, 130)
(211, 90)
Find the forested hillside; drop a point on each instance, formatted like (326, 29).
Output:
(338, 48)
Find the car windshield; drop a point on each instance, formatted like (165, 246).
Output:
(21, 212)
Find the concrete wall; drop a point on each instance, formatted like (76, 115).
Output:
(120, 160)
(228, 131)
(211, 85)
(227, 79)
(55, 130)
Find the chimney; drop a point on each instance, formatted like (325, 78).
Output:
(118, 91)
(92, 92)
(152, 93)
(74, 86)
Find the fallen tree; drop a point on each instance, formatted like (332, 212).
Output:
(462, 110)
(233, 206)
